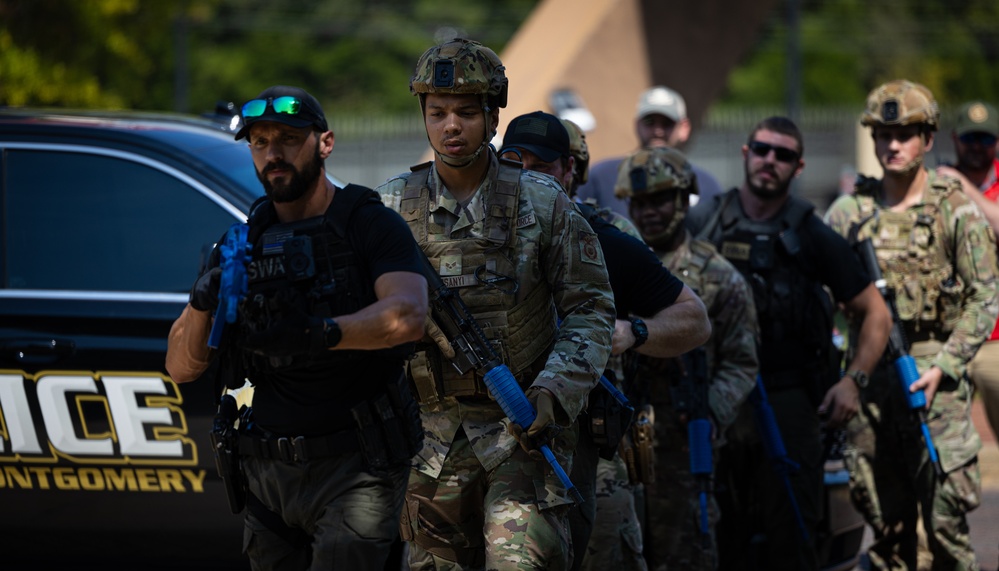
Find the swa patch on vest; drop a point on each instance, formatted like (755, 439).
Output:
(589, 248)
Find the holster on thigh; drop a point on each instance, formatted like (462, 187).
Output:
(462, 543)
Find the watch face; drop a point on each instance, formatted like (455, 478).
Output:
(859, 377)
(640, 331)
(332, 334)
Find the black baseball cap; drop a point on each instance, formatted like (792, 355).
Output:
(540, 133)
(265, 107)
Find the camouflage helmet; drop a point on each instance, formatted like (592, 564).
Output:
(901, 102)
(579, 151)
(461, 66)
(652, 170)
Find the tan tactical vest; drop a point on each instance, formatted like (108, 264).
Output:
(915, 252)
(520, 324)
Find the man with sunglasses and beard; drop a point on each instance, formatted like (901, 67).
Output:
(789, 257)
(335, 298)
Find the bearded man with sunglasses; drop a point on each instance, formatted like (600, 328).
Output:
(335, 298)
(789, 257)
(937, 254)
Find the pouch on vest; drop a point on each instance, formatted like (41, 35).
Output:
(609, 420)
(388, 427)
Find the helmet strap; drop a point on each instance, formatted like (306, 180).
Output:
(464, 162)
(911, 166)
(461, 162)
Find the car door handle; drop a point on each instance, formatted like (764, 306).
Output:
(40, 351)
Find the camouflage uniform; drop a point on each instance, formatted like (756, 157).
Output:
(674, 537)
(672, 501)
(939, 258)
(474, 496)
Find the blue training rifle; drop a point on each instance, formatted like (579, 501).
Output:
(898, 351)
(234, 282)
(473, 350)
(773, 446)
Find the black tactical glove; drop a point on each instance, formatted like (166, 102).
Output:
(543, 430)
(205, 293)
(297, 333)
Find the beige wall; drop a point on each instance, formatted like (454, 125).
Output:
(609, 51)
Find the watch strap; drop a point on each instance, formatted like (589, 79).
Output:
(331, 333)
(640, 331)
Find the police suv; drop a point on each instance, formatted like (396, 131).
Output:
(104, 460)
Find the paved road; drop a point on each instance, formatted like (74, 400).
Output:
(984, 522)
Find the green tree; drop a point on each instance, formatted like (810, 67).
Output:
(90, 53)
(356, 56)
(850, 46)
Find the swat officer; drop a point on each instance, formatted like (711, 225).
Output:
(669, 320)
(335, 299)
(522, 259)
(787, 255)
(658, 182)
(937, 253)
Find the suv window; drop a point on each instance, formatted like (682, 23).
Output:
(82, 221)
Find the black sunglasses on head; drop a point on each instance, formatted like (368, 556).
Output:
(984, 139)
(783, 154)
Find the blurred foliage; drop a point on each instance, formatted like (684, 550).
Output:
(848, 47)
(357, 56)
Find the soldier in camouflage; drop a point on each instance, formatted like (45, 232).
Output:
(581, 173)
(522, 258)
(937, 254)
(647, 297)
(658, 183)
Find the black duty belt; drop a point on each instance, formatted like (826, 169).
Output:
(299, 448)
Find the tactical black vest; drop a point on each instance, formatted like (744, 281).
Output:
(309, 266)
(794, 310)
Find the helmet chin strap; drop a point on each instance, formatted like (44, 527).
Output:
(463, 162)
(912, 165)
(664, 238)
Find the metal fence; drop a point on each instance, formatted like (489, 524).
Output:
(369, 151)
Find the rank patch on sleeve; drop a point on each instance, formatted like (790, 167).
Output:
(589, 248)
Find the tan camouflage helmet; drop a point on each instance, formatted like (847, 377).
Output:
(901, 102)
(654, 170)
(461, 66)
(579, 151)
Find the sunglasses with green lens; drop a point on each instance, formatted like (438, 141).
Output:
(286, 104)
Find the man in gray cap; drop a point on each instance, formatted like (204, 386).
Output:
(661, 121)
(975, 131)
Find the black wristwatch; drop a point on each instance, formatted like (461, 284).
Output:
(859, 377)
(331, 333)
(640, 331)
